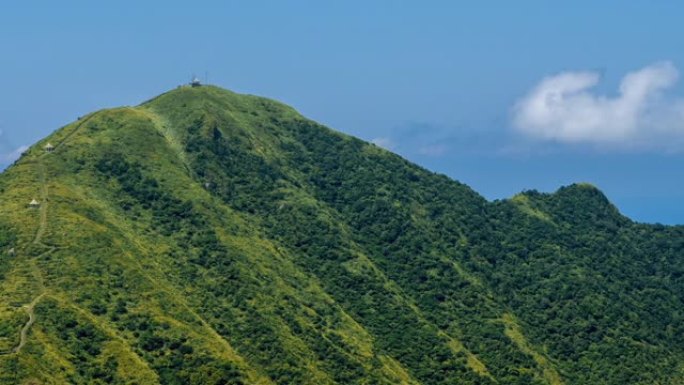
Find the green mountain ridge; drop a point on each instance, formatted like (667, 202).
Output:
(208, 237)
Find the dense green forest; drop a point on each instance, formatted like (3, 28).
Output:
(207, 237)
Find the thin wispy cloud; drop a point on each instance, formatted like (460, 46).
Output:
(8, 151)
(564, 108)
(433, 149)
(416, 138)
(435, 140)
(9, 157)
(385, 142)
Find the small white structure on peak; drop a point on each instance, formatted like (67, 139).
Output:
(49, 147)
(34, 203)
(195, 82)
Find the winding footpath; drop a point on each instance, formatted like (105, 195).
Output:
(29, 308)
(43, 206)
(37, 240)
(27, 326)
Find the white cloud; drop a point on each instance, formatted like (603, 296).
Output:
(11, 156)
(563, 108)
(384, 142)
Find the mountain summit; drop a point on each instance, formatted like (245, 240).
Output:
(207, 237)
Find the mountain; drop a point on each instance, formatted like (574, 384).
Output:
(207, 237)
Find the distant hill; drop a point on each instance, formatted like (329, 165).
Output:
(207, 237)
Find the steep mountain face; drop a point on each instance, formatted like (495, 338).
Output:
(206, 237)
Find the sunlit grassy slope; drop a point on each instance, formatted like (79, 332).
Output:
(207, 237)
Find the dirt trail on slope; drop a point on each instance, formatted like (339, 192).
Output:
(32, 318)
(43, 206)
(37, 275)
(37, 240)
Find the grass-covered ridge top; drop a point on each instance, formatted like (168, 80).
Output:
(208, 237)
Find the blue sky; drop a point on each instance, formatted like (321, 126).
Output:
(501, 95)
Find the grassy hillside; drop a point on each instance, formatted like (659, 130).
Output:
(206, 237)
